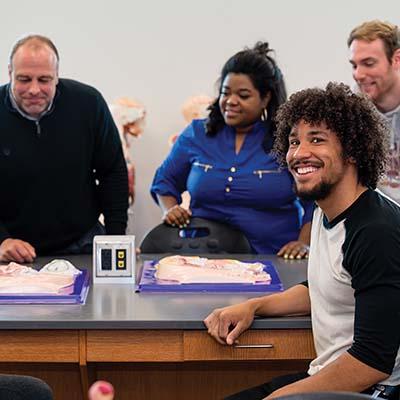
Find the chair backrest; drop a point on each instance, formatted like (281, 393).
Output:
(21, 387)
(326, 396)
(201, 236)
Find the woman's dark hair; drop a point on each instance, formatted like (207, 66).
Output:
(266, 77)
(361, 130)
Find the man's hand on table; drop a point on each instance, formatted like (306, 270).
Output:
(226, 324)
(16, 250)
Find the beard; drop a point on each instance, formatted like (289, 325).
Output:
(319, 192)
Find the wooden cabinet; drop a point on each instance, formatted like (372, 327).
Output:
(177, 346)
(184, 363)
(296, 344)
(134, 346)
(53, 346)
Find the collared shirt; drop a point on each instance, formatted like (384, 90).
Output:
(390, 184)
(247, 190)
(24, 114)
(393, 118)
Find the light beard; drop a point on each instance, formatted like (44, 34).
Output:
(319, 192)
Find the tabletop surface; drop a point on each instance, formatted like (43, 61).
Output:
(118, 306)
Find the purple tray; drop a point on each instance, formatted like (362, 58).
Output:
(148, 282)
(78, 296)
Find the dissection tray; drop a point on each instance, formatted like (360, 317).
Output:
(78, 296)
(149, 283)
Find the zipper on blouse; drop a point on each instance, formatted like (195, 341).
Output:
(261, 172)
(205, 166)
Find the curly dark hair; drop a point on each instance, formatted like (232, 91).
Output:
(362, 131)
(266, 77)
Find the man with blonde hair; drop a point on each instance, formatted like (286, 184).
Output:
(61, 159)
(375, 58)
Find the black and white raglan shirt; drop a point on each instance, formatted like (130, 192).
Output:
(354, 285)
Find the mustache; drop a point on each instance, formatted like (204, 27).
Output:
(300, 163)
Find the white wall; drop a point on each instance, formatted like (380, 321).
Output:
(161, 52)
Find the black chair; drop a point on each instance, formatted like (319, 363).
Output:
(20, 387)
(201, 236)
(327, 396)
(390, 393)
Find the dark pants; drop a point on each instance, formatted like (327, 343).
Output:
(264, 390)
(259, 392)
(84, 245)
(18, 387)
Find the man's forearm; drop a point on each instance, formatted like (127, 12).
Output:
(294, 301)
(337, 376)
(3, 233)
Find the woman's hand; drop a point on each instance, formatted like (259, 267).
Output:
(300, 248)
(177, 216)
(294, 250)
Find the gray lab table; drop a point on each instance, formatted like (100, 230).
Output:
(137, 339)
(118, 306)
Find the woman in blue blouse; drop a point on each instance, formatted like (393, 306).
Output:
(225, 162)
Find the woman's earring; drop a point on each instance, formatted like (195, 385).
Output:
(264, 114)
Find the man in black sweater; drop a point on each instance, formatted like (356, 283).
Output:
(61, 159)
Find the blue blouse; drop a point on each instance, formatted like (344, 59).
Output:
(247, 190)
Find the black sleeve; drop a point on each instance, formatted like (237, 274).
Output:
(304, 283)
(374, 262)
(3, 233)
(110, 171)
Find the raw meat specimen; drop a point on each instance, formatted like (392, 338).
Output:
(55, 278)
(203, 270)
(63, 267)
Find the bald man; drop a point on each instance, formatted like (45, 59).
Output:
(61, 159)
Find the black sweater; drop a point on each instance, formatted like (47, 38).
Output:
(58, 174)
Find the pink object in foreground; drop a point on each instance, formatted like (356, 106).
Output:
(101, 390)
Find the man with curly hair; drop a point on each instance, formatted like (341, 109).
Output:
(375, 58)
(334, 143)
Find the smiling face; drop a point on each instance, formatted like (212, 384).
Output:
(316, 162)
(240, 102)
(34, 76)
(375, 75)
